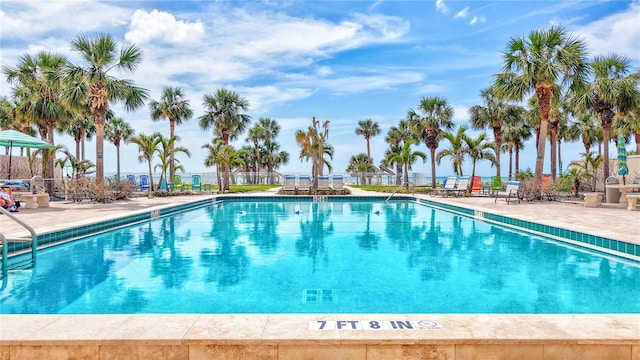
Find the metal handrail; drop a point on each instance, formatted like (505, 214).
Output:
(400, 186)
(5, 241)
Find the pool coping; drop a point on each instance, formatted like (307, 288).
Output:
(287, 336)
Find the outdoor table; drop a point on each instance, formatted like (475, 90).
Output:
(624, 190)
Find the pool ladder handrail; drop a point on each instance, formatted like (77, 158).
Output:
(413, 189)
(4, 241)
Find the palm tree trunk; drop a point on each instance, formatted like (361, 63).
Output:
(172, 166)
(368, 151)
(552, 155)
(510, 162)
(544, 93)
(517, 146)
(559, 157)
(636, 135)
(118, 158)
(498, 141)
(150, 178)
(432, 150)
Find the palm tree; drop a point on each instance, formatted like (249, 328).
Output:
(406, 157)
(514, 134)
(628, 125)
(397, 136)
(585, 127)
(536, 64)
(435, 116)
(147, 145)
(313, 145)
(368, 128)
(360, 164)
(457, 151)
(273, 157)
(38, 91)
(479, 149)
(493, 114)
(223, 113)
(166, 153)
(117, 130)
(81, 127)
(172, 106)
(93, 83)
(222, 156)
(611, 92)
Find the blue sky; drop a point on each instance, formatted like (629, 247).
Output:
(342, 61)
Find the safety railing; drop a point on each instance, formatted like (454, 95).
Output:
(5, 242)
(404, 183)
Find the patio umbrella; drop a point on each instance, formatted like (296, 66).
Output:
(12, 138)
(623, 169)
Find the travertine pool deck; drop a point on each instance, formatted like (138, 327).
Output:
(288, 336)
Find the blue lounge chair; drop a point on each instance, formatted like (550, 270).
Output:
(196, 182)
(144, 183)
(132, 179)
(289, 183)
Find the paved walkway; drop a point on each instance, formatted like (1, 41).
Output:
(613, 222)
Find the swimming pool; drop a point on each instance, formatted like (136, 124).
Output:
(337, 256)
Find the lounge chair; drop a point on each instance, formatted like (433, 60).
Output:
(476, 184)
(144, 183)
(305, 183)
(196, 182)
(289, 183)
(338, 183)
(323, 183)
(176, 184)
(496, 184)
(449, 186)
(462, 185)
(131, 179)
(512, 192)
(163, 184)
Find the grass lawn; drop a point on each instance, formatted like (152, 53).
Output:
(248, 188)
(390, 189)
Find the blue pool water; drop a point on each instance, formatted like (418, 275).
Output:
(324, 257)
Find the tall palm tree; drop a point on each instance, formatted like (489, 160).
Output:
(537, 63)
(406, 157)
(224, 113)
(92, 82)
(147, 146)
(479, 149)
(172, 106)
(368, 128)
(38, 91)
(457, 151)
(493, 114)
(117, 130)
(434, 117)
(397, 136)
(612, 92)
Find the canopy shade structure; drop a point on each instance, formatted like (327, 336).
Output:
(13, 138)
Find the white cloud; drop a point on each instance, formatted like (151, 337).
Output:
(462, 13)
(441, 7)
(162, 26)
(477, 19)
(618, 33)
